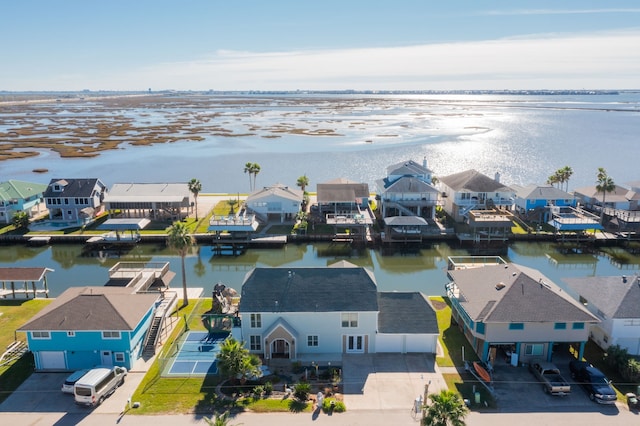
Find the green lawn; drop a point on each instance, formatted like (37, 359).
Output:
(451, 338)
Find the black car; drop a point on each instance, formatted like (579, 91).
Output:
(594, 382)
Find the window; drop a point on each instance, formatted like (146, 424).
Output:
(71, 334)
(119, 356)
(516, 326)
(560, 326)
(536, 349)
(256, 320)
(40, 335)
(110, 334)
(578, 326)
(349, 320)
(255, 343)
(312, 341)
(355, 344)
(605, 338)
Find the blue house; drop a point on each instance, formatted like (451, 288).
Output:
(18, 196)
(89, 326)
(535, 201)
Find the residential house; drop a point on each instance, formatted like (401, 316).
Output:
(408, 191)
(89, 326)
(277, 202)
(157, 201)
(471, 190)
(533, 202)
(321, 313)
(18, 196)
(615, 300)
(342, 197)
(621, 198)
(504, 306)
(75, 200)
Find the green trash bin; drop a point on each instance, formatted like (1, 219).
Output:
(477, 397)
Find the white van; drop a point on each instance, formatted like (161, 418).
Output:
(98, 384)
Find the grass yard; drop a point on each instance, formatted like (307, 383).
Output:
(451, 338)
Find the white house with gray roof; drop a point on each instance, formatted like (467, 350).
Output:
(158, 201)
(275, 202)
(616, 301)
(506, 305)
(472, 190)
(321, 313)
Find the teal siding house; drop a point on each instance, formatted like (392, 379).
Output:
(89, 326)
(19, 196)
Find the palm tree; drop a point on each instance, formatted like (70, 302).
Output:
(604, 184)
(235, 361)
(232, 203)
(303, 182)
(219, 420)
(252, 169)
(195, 187)
(446, 409)
(567, 172)
(552, 180)
(181, 241)
(256, 170)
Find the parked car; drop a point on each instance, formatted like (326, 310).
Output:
(67, 386)
(549, 375)
(98, 384)
(593, 381)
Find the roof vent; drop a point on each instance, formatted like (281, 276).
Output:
(500, 286)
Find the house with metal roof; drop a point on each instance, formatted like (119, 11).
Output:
(615, 300)
(472, 190)
(19, 196)
(276, 202)
(501, 305)
(318, 314)
(75, 200)
(407, 190)
(156, 201)
(89, 326)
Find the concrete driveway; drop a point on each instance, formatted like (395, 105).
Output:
(388, 381)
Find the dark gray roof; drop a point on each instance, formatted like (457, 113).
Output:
(93, 309)
(616, 296)
(406, 313)
(541, 192)
(514, 293)
(473, 181)
(407, 168)
(335, 289)
(341, 190)
(72, 188)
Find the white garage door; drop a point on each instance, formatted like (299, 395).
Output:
(52, 360)
(389, 343)
(421, 343)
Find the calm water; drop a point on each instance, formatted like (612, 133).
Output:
(422, 271)
(525, 138)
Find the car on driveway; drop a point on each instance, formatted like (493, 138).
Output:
(593, 381)
(70, 381)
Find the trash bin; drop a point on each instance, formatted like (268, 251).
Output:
(477, 397)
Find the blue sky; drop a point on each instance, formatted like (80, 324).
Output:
(323, 44)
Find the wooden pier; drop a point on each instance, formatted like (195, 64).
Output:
(22, 282)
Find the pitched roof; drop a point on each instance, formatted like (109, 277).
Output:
(341, 288)
(277, 190)
(473, 181)
(407, 184)
(541, 192)
(406, 312)
(341, 190)
(72, 187)
(619, 194)
(514, 293)
(407, 168)
(615, 296)
(93, 309)
(17, 189)
(139, 192)
(23, 274)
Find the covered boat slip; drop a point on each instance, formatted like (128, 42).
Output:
(15, 281)
(118, 230)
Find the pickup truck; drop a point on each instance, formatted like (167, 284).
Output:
(549, 375)
(593, 381)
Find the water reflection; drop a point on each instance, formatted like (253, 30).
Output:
(421, 270)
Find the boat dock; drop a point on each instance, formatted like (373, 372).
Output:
(23, 282)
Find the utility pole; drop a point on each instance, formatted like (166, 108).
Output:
(425, 400)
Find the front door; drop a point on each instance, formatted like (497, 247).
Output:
(106, 358)
(280, 349)
(355, 344)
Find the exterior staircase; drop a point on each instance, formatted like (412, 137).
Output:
(157, 324)
(13, 352)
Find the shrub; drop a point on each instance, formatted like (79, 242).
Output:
(333, 405)
(301, 391)
(268, 388)
(258, 390)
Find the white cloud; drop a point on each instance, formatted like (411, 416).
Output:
(598, 60)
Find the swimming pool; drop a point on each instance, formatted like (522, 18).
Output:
(197, 353)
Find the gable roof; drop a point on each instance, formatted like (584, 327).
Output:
(407, 168)
(406, 312)
(341, 288)
(619, 194)
(277, 190)
(21, 190)
(140, 192)
(72, 187)
(93, 309)
(514, 293)
(473, 181)
(341, 190)
(615, 296)
(541, 192)
(23, 274)
(406, 184)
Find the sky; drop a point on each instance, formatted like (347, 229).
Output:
(69, 45)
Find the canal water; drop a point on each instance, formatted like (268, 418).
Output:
(422, 270)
